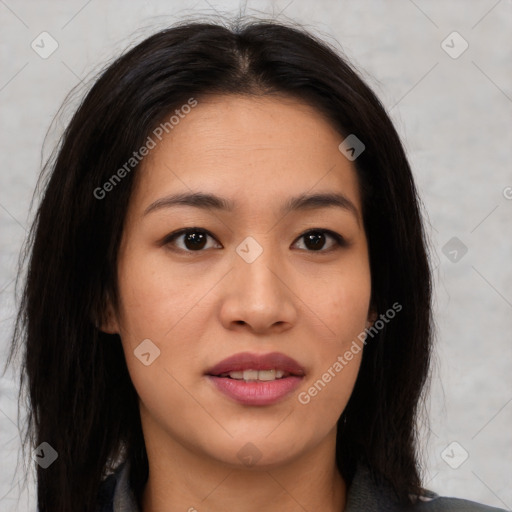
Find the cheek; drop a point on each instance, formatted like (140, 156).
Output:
(165, 305)
(155, 295)
(341, 300)
(341, 305)
(323, 398)
(337, 361)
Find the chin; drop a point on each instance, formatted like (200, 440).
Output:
(257, 451)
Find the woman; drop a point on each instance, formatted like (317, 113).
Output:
(227, 304)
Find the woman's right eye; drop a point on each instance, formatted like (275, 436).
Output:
(191, 240)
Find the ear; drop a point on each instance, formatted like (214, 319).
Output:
(106, 320)
(372, 317)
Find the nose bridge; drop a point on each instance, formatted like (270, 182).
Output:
(257, 266)
(257, 293)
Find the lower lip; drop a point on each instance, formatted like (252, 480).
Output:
(256, 392)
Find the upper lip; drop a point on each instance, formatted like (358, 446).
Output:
(249, 361)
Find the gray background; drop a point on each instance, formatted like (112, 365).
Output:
(455, 117)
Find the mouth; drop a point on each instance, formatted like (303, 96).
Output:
(254, 379)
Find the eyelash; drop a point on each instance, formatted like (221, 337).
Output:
(340, 242)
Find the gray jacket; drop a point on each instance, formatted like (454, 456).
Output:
(363, 496)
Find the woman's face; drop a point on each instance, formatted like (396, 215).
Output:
(247, 277)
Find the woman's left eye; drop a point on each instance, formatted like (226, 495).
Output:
(315, 240)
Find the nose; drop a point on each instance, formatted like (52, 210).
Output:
(259, 296)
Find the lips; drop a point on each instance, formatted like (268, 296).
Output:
(248, 361)
(256, 380)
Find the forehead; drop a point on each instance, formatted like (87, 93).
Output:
(249, 148)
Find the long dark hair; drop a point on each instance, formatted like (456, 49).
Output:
(81, 399)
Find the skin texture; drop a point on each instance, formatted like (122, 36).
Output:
(199, 307)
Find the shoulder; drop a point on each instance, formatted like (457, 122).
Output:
(365, 494)
(439, 504)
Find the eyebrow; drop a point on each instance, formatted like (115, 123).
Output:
(211, 201)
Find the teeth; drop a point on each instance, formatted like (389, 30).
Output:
(236, 375)
(249, 375)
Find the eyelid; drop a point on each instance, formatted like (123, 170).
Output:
(339, 240)
(175, 234)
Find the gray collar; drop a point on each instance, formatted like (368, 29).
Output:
(124, 500)
(364, 494)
